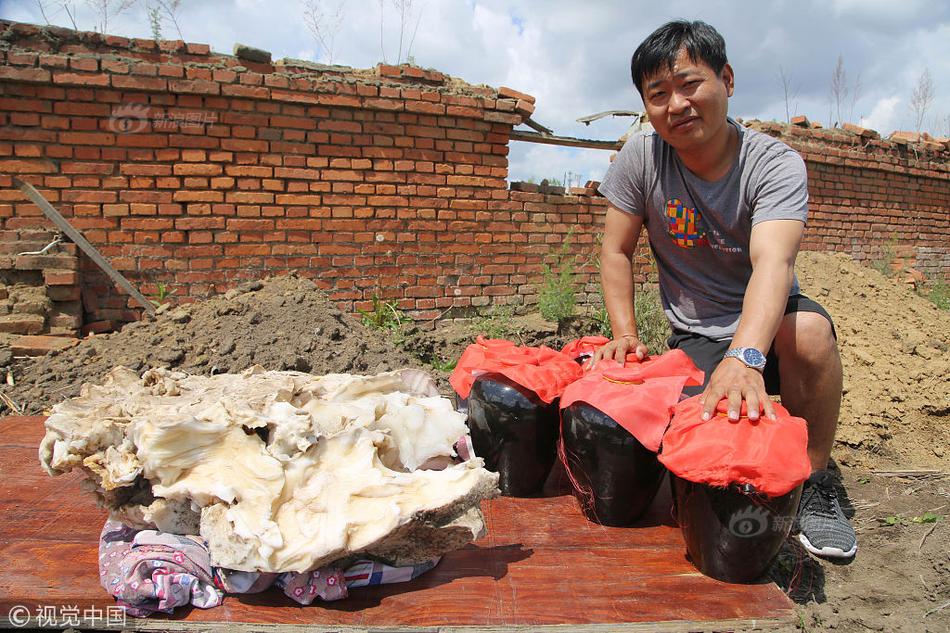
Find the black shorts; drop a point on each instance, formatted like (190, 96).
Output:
(707, 352)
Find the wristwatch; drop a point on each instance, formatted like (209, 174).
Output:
(750, 356)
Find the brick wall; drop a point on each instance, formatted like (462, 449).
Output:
(869, 195)
(198, 171)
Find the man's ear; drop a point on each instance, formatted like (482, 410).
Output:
(728, 78)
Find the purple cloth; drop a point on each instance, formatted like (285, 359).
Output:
(152, 572)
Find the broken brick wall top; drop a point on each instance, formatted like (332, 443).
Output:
(197, 171)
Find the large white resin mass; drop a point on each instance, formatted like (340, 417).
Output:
(278, 471)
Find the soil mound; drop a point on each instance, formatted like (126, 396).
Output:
(280, 323)
(894, 349)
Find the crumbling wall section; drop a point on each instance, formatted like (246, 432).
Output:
(197, 171)
(875, 199)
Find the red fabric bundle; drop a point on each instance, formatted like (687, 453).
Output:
(769, 455)
(543, 370)
(584, 346)
(639, 395)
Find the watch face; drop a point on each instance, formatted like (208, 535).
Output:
(753, 357)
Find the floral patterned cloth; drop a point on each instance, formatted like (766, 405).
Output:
(152, 572)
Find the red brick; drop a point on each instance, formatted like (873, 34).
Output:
(197, 49)
(40, 75)
(65, 277)
(22, 58)
(114, 66)
(87, 64)
(197, 169)
(40, 262)
(27, 167)
(22, 323)
(80, 79)
(139, 83)
(64, 293)
(511, 93)
(40, 345)
(98, 327)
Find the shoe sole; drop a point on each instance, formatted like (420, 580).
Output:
(827, 552)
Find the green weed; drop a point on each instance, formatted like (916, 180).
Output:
(383, 316)
(444, 366)
(939, 294)
(894, 520)
(652, 324)
(556, 299)
(162, 294)
(927, 517)
(497, 322)
(888, 254)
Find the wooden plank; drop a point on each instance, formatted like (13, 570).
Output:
(542, 567)
(82, 243)
(566, 141)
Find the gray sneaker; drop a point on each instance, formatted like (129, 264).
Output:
(824, 529)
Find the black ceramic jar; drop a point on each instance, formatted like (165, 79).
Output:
(514, 431)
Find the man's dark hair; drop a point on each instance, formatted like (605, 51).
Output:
(702, 42)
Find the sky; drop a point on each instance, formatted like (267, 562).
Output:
(574, 55)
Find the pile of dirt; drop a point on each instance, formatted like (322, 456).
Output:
(280, 323)
(894, 350)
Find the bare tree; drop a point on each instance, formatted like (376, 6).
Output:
(106, 9)
(839, 88)
(324, 23)
(409, 11)
(169, 10)
(68, 7)
(382, 14)
(42, 7)
(790, 93)
(922, 98)
(856, 89)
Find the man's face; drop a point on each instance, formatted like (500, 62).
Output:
(687, 103)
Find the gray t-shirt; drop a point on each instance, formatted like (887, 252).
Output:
(699, 231)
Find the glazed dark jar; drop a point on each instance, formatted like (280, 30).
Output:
(514, 431)
(732, 534)
(615, 478)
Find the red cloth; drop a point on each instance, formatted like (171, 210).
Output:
(637, 396)
(769, 455)
(586, 345)
(543, 370)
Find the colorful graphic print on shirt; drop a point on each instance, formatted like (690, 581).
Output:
(685, 225)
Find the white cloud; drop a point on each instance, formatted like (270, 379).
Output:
(883, 117)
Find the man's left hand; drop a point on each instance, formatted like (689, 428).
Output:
(737, 382)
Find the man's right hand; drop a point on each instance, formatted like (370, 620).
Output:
(618, 349)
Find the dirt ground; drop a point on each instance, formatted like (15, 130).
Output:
(891, 447)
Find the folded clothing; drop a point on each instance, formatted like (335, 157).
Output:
(153, 572)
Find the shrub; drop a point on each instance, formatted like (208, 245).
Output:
(556, 298)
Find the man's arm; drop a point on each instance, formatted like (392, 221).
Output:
(621, 233)
(772, 248)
